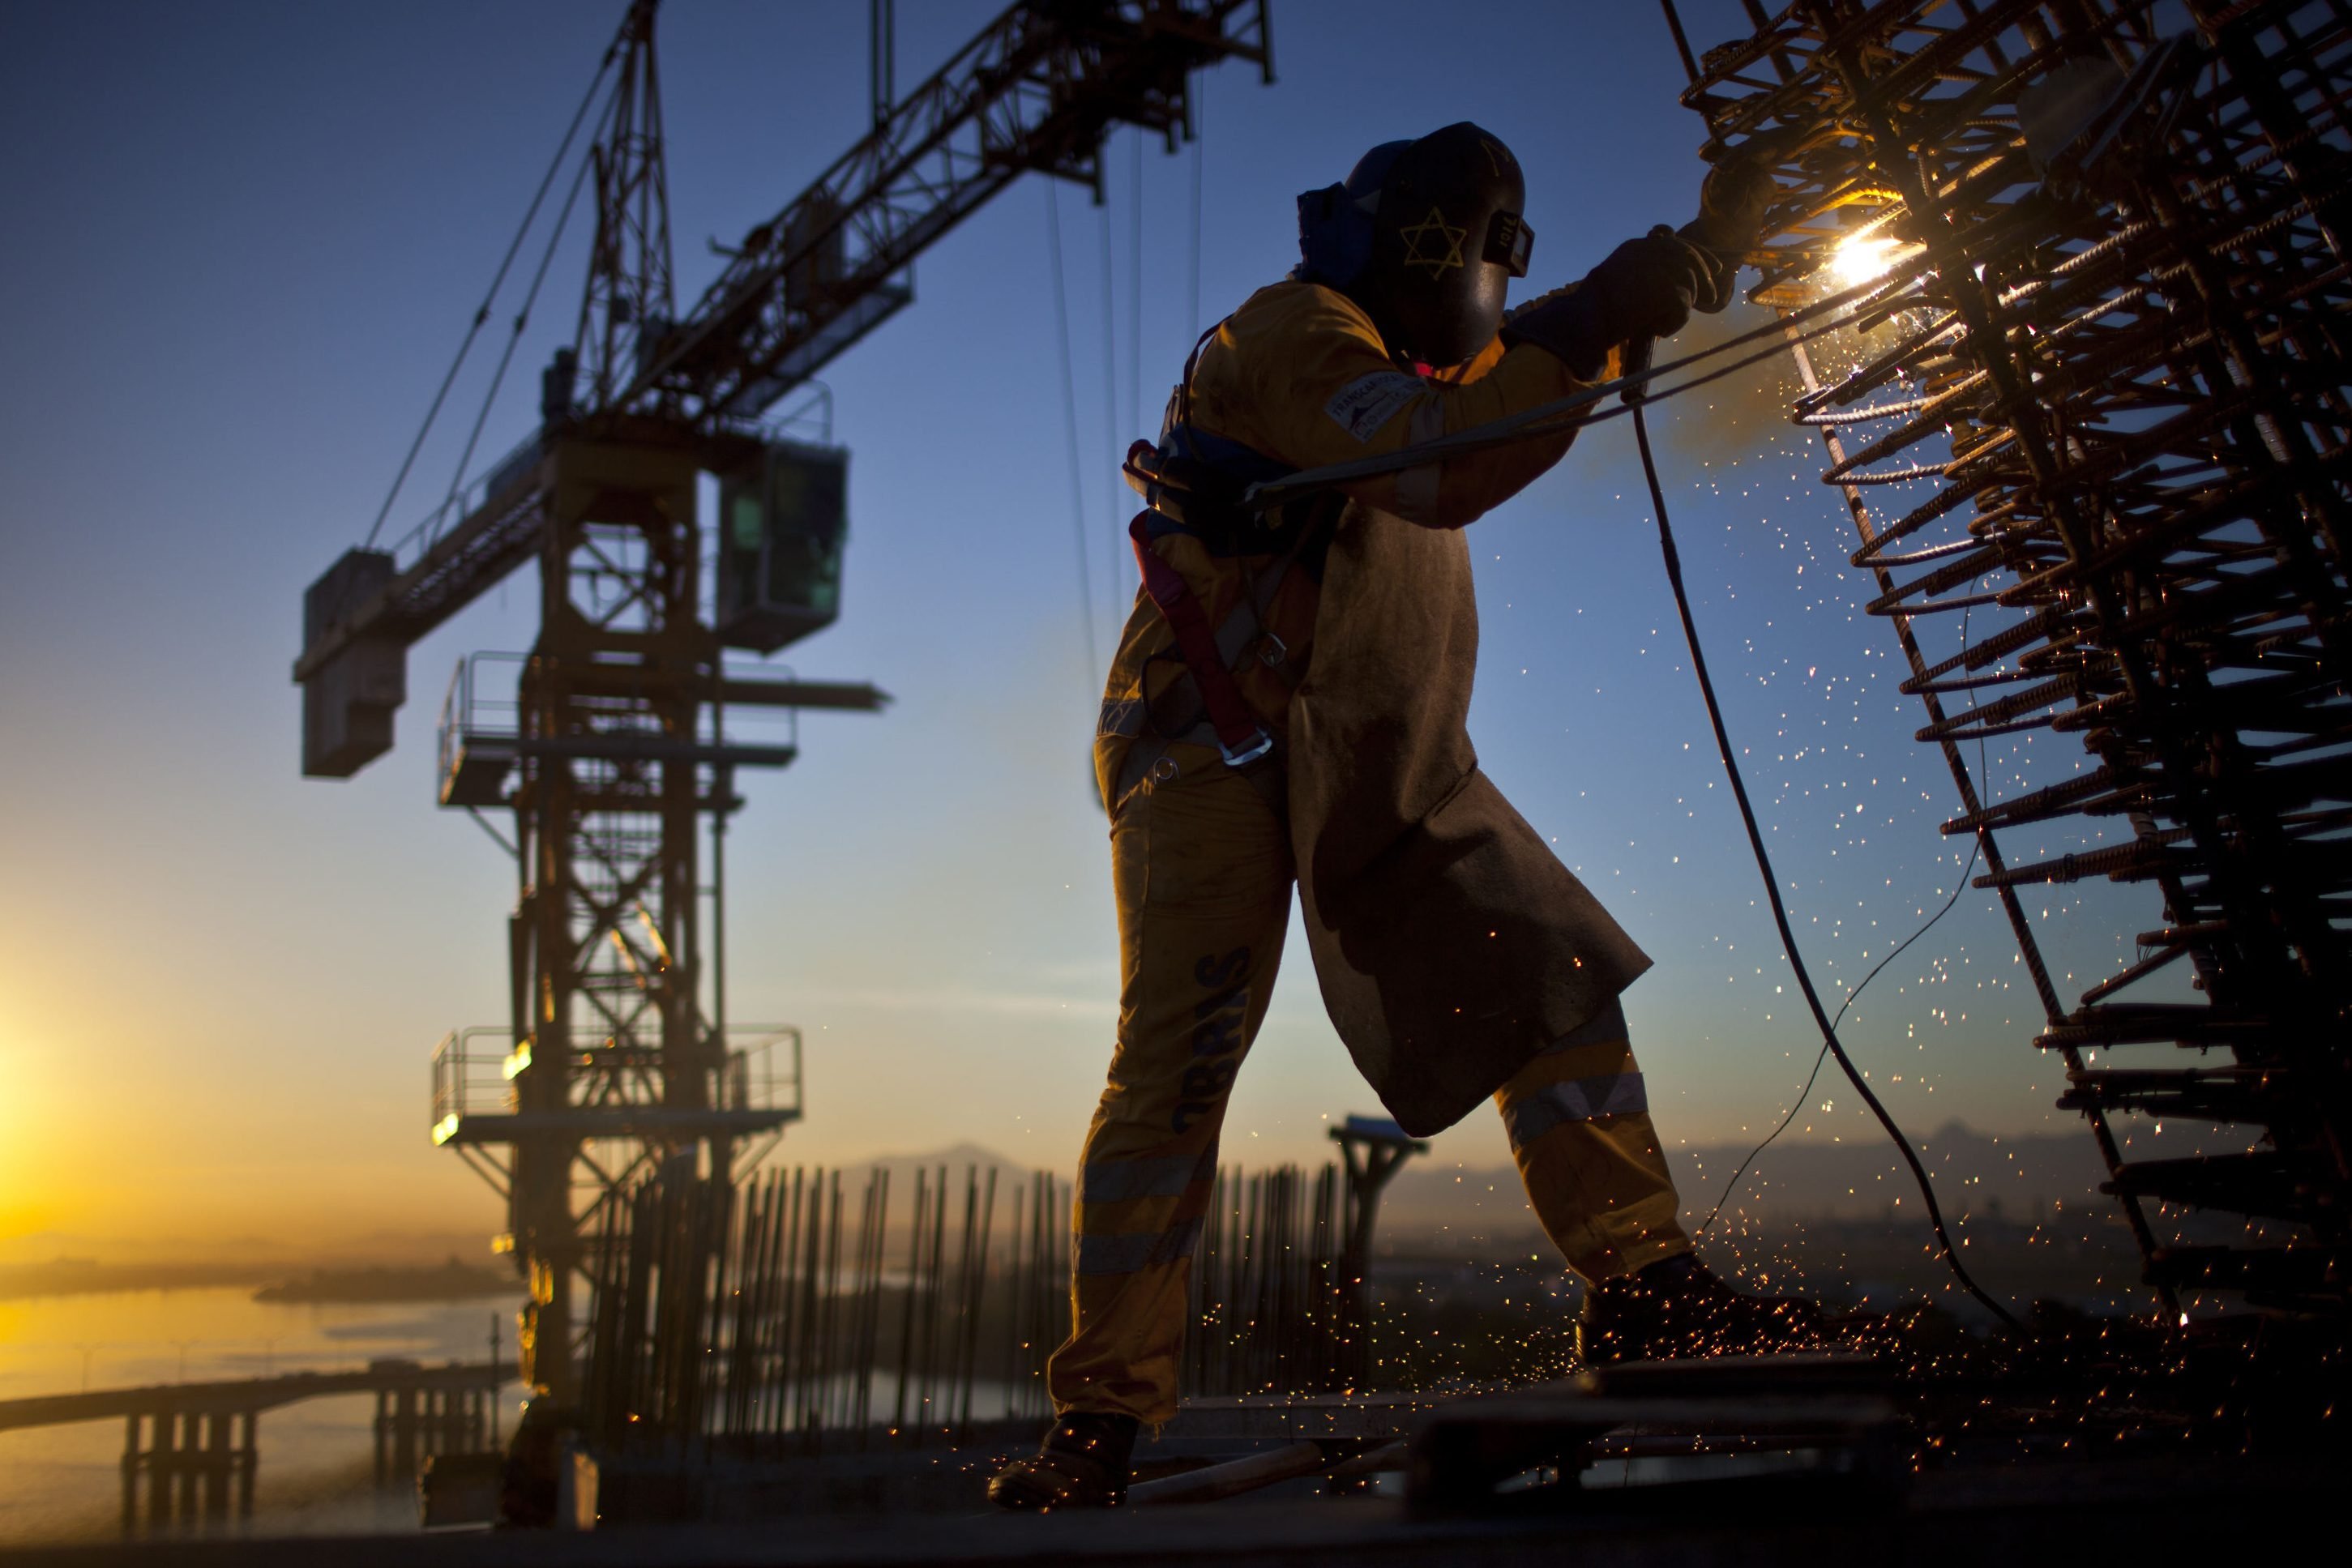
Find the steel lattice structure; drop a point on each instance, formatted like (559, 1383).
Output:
(2100, 405)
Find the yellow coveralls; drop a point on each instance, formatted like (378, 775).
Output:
(1201, 864)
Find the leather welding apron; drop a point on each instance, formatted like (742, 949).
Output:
(1451, 943)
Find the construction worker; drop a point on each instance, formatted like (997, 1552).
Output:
(1287, 705)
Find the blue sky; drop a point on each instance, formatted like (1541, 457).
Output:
(244, 240)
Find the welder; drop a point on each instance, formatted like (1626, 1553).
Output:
(1287, 705)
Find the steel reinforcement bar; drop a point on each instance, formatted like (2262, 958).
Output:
(2101, 408)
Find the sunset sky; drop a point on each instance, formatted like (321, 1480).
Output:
(243, 241)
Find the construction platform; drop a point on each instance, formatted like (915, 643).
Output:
(2169, 1508)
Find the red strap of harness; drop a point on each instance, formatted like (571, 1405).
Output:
(1239, 734)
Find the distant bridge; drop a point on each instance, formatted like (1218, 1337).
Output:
(194, 1442)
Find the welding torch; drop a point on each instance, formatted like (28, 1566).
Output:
(1733, 202)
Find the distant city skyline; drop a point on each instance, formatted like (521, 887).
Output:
(246, 239)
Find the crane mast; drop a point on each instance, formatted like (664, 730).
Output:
(612, 748)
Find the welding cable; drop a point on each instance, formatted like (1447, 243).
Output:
(1976, 848)
(1830, 1040)
(1830, 1043)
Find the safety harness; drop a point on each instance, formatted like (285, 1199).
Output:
(1193, 483)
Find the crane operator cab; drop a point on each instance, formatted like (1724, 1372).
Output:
(783, 521)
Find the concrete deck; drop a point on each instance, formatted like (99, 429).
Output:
(2104, 1511)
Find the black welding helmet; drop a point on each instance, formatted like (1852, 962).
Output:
(1447, 241)
(1427, 235)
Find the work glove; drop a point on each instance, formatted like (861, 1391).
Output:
(1733, 204)
(1648, 288)
(1184, 490)
(1645, 289)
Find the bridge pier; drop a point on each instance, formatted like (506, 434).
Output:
(131, 1468)
(191, 1467)
(414, 1421)
(219, 1463)
(397, 1431)
(163, 1468)
(197, 1464)
(249, 1463)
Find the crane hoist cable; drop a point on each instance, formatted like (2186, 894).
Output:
(1114, 511)
(1135, 291)
(522, 318)
(497, 281)
(1198, 155)
(1070, 424)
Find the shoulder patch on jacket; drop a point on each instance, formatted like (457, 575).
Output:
(1367, 402)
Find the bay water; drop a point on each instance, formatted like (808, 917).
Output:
(316, 1472)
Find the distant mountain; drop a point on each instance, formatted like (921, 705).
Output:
(1427, 1207)
(452, 1281)
(251, 1256)
(87, 1276)
(1975, 1173)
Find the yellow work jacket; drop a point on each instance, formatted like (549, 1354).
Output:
(1450, 944)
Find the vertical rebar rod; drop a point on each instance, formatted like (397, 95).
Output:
(828, 1392)
(975, 1295)
(907, 1312)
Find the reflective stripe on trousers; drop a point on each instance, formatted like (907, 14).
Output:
(1202, 870)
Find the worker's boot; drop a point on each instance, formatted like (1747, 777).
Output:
(1083, 1463)
(1677, 1309)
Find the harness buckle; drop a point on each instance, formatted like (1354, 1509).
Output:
(1247, 754)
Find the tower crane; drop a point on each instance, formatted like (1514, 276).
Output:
(613, 747)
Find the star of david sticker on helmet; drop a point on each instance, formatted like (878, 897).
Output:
(1433, 243)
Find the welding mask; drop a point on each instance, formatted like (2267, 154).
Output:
(1427, 235)
(1335, 223)
(1447, 243)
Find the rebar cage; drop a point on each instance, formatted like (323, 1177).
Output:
(2095, 402)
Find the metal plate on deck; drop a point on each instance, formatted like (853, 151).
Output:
(1270, 1417)
(1827, 1415)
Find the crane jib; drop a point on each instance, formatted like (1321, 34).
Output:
(1029, 93)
